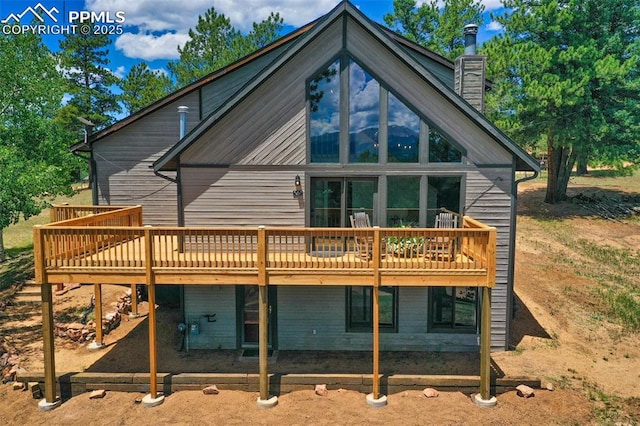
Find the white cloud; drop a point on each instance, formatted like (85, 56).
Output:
(119, 72)
(494, 26)
(150, 47)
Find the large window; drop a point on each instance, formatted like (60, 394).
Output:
(403, 201)
(403, 133)
(360, 308)
(324, 115)
(454, 309)
(364, 115)
(381, 127)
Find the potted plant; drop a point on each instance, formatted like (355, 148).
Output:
(404, 246)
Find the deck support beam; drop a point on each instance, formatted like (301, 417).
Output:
(264, 400)
(484, 398)
(134, 300)
(152, 399)
(97, 289)
(375, 398)
(49, 349)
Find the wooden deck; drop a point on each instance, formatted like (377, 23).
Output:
(102, 245)
(113, 247)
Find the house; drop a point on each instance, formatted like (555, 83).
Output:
(340, 116)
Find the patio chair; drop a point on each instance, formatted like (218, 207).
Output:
(364, 245)
(444, 247)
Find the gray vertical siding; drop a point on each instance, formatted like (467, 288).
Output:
(124, 158)
(206, 300)
(488, 199)
(268, 126)
(470, 78)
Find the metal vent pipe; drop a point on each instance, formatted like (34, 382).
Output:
(470, 32)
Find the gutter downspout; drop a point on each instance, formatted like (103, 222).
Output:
(182, 110)
(93, 169)
(512, 250)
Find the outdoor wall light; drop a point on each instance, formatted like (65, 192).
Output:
(298, 191)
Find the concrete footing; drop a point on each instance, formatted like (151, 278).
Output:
(95, 346)
(485, 403)
(148, 401)
(268, 403)
(381, 401)
(43, 405)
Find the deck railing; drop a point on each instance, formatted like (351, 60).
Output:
(116, 240)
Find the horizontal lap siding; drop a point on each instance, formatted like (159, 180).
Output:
(488, 199)
(301, 310)
(268, 127)
(207, 300)
(224, 197)
(414, 89)
(124, 158)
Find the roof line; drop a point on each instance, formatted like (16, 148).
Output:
(193, 86)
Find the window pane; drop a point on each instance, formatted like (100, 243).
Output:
(364, 115)
(441, 151)
(324, 99)
(403, 131)
(403, 201)
(360, 308)
(360, 194)
(442, 192)
(325, 204)
(465, 312)
(442, 306)
(386, 306)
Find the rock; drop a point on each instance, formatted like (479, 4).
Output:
(525, 391)
(430, 393)
(75, 326)
(549, 386)
(321, 390)
(18, 386)
(98, 393)
(211, 390)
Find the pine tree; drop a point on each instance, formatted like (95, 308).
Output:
(142, 86)
(84, 60)
(437, 28)
(215, 43)
(566, 73)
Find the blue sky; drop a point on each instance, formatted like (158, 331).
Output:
(152, 29)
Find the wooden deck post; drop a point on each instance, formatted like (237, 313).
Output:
(46, 293)
(264, 400)
(485, 345)
(152, 399)
(375, 399)
(49, 348)
(134, 300)
(97, 289)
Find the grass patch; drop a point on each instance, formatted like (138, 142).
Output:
(17, 269)
(19, 237)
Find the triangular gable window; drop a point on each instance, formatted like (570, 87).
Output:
(395, 137)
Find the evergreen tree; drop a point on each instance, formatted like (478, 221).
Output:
(84, 61)
(141, 87)
(215, 43)
(566, 73)
(437, 28)
(35, 162)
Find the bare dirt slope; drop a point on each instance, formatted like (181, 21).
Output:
(563, 331)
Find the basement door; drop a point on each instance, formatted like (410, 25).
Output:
(248, 327)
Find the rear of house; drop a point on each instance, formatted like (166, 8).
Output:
(339, 117)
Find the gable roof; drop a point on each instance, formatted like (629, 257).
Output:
(524, 161)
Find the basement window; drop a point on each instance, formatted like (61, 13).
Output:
(360, 309)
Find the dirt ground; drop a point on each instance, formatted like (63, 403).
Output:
(559, 334)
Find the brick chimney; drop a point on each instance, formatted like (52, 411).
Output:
(470, 70)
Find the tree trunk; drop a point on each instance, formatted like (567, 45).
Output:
(581, 168)
(561, 161)
(2, 255)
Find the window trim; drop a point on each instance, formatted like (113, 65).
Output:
(368, 327)
(465, 329)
